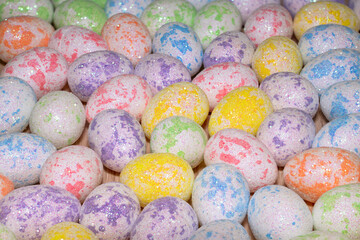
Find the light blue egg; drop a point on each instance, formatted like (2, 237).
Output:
(199, 3)
(135, 7)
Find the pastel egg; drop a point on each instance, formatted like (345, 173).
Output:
(276, 54)
(232, 46)
(255, 106)
(211, 80)
(276, 212)
(42, 67)
(155, 175)
(182, 99)
(68, 230)
(17, 100)
(135, 7)
(321, 235)
(29, 211)
(313, 172)
(295, 5)
(6, 186)
(318, 13)
(21, 33)
(59, 116)
(126, 34)
(6, 233)
(245, 152)
(267, 21)
(337, 210)
(180, 41)
(104, 201)
(22, 156)
(220, 192)
(117, 137)
(74, 41)
(215, 18)
(165, 218)
(92, 69)
(161, 70)
(246, 7)
(291, 90)
(127, 92)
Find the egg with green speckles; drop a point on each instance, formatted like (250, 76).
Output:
(338, 210)
(38, 8)
(6, 233)
(68, 230)
(321, 235)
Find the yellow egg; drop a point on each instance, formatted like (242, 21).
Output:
(182, 99)
(318, 13)
(243, 108)
(157, 175)
(68, 231)
(276, 54)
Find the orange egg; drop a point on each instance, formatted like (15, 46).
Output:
(6, 186)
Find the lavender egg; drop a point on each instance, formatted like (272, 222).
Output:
(294, 5)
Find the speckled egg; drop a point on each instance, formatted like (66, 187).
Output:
(245, 152)
(215, 18)
(117, 137)
(313, 172)
(92, 69)
(318, 13)
(165, 218)
(161, 70)
(342, 132)
(180, 136)
(127, 34)
(290, 90)
(22, 156)
(135, 7)
(161, 12)
(68, 230)
(276, 212)
(29, 211)
(17, 99)
(180, 41)
(337, 210)
(341, 99)
(42, 67)
(110, 211)
(211, 80)
(293, 6)
(276, 54)
(59, 116)
(74, 41)
(232, 46)
(267, 21)
(6, 233)
(255, 106)
(127, 92)
(21, 33)
(155, 175)
(321, 235)
(6, 186)
(38, 8)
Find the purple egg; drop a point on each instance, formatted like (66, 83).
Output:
(294, 5)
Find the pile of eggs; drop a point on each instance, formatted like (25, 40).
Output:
(182, 119)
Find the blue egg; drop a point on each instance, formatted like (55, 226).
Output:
(135, 7)
(199, 3)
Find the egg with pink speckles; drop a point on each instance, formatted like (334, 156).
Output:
(246, 7)
(245, 152)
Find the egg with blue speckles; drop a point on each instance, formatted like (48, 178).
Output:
(6, 233)
(220, 192)
(135, 7)
(276, 212)
(199, 3)
(321, 235)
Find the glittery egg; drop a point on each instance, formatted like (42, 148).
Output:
(290, 90)
(180, 136)
(321, 235)
(6, 233)
(110, 211)
(165, 218)
(180, 41)
(42, 67)
(6, 186)
(29, 211)
(22, 156)
(215, 18)
(126, 34)
(276, 212)
(127, 92)
(68, 230)
(92, 69)
(318, 13)
(161, 70)
(255, 106)
(182, 99)
(155, 175)
(59, 116)
(276, 54)
(220, 192)
(21, 33)
(211, 80)
(161, 12)
(233, 46)
(245, 152)
(74, 41)
(246, 7)
(135, 7)
(337, 210)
